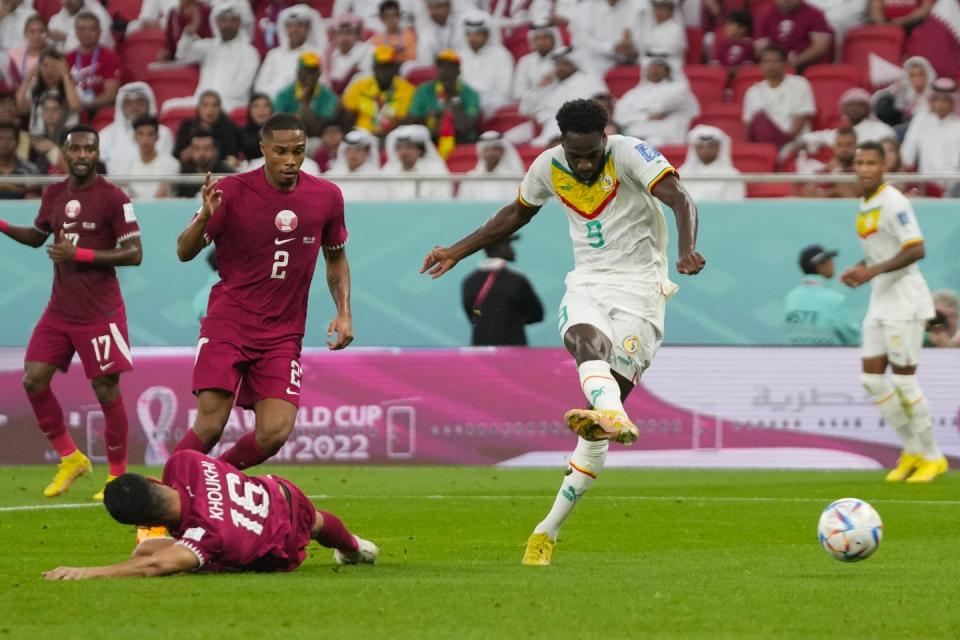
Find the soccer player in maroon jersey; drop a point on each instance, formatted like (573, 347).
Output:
(268, 226)
(95, 230)
(220, 520)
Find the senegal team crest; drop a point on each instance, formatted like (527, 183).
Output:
(631, 344)
(286, 221)
(72, 209)
(606, 182)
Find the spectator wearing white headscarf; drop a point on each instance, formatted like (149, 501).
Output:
(495, 156)
(543, 38)
(350, 57)
(117, 145)
(359, 154)
(301, 30)
(660, 108)
(228, 62)
(410, 152)
(709, 153)
(605, 32)
(908, 96)
(485, 64)
(662, 30)
(932, 144)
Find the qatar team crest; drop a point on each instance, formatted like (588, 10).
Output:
(286, 221)
(631, 344)
(72, 209)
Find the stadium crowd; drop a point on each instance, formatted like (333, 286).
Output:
(471, 86)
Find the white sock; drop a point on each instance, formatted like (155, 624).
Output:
(586, 463)
(918, 409)
(599, 385)
(888, 401)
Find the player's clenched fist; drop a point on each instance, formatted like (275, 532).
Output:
(438, 262)
(691, 263)
(212, 196)
(342, 328)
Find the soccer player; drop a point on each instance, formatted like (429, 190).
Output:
(95, 230)
(220, 520)
(900, 305)
(268, 226)
(611, 318)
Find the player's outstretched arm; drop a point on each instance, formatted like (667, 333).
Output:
(192, 240)
(501, 226)
(172, 559)
(128, 254)
(671, 193)
(338, 279)
(24, 235)
(860, 273)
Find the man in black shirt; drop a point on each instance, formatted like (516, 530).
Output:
(498, 301)
(205, 156)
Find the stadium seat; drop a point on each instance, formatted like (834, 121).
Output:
(239, 117)
(171, 118)
(463, 158)
(746, 77)
(504, 119)
(622, 78)
(707, 82)
(419, 75)
(694, 53)
(528, 153)
(103, 117)
(127, 9)
(675, 153)
(172, 82)
(754, 157)
(325, 7)
(726, 117)
(139, 49)
(882, 40)
(828, 82)
(47, 8)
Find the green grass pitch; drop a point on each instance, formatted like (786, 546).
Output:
(646, 554)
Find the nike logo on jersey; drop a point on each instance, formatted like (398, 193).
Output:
(70, 225)
(292, 392)
(116, 448)
(278, 241)
(104, 367)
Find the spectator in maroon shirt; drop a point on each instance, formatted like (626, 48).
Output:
(177, 21)
(732, 44)
(799, 29)
(902, 13)
(94, 67)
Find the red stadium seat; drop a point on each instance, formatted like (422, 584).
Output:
(707, 82)
(746, 77)
(239, 116)
(172, 82)
(622, 78)
(528, 153)
(726, 117)
(420, 75)
(325, 7)
(754, 157)
(675, 153)
(139, 49)
(462, 159)
(694, 53)
(128, 9)
(882, 40)
(47, 8)
(103, 117)
(504, 119)
(171, 118)
(828, 82)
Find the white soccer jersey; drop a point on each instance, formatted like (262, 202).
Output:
(617, 227)
(886, 223)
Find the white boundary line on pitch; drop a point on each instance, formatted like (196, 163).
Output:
(322, 496)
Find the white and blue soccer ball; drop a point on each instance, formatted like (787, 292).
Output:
(850, 529)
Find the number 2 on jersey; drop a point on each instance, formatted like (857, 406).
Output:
(595, 234)
(280, 261)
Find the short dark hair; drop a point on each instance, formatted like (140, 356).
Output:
(388, 4)
(847, 131)
(146, 120)
(582, 116)
(742, 18)
(9, 126)
(87, 15)
(132, 499)
(282, 122)
(79, 128)
(871, 145)
(773, 49)
(203, 132)
(34, 17)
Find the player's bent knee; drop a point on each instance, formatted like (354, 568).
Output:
(34, 385)
(585, 343)
(876, 384)
(271, 437)
(106, 388)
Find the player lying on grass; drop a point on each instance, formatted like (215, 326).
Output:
(220, 520)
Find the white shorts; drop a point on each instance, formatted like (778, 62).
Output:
(635, 338)
(899, 340)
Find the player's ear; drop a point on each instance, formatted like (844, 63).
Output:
(154, 480)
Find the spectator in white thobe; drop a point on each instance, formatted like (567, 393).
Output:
(662, 30)
(61, 29)
(856, 106)
(709, 153)
(494, 156)
(117, 144)
(660, 108)
(15, 14)
(605, 32)
(439, 29)
(485, 65)
(359, 154)
(932, 144)
(351, 57)
(410, 152)
(544, 38)
(301, 30)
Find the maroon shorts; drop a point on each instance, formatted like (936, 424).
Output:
(102, 346)
(251, 374)
(303, 515)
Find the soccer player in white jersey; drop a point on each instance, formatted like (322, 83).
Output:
(900, 305)
(611, 317)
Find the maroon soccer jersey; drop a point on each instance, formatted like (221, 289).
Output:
(267, 246)
(791, 31)
(98, 217)
(231, 520)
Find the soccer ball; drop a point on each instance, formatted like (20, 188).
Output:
(850, 529)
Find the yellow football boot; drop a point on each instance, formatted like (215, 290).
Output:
(98, 496)
(70, 468)
(539, 550)
(905, 466)
(145, 533)
(927, 470)
(606, 424)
